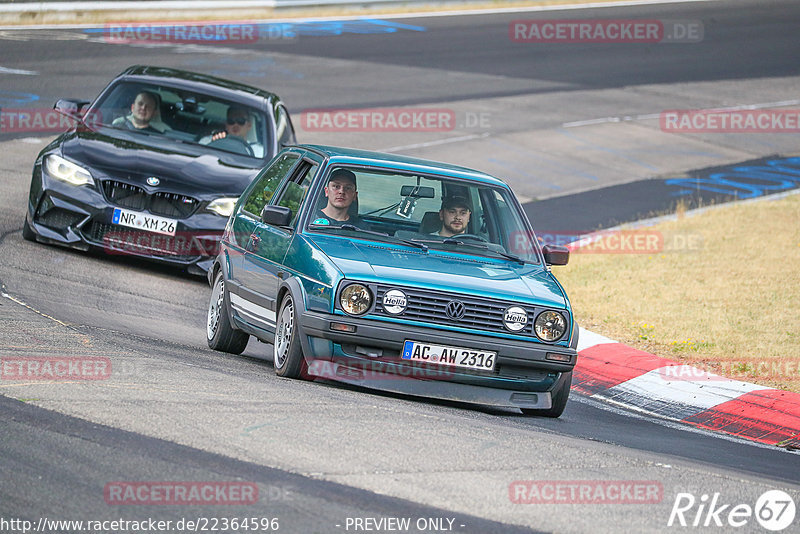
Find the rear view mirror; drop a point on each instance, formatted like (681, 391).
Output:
(555, 254)
(190, 105)
(416, 191)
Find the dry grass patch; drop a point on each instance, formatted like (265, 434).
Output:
(723, 295)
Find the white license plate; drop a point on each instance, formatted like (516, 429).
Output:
(446, 355)
(144, 221)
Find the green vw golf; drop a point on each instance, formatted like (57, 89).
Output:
(398, 274)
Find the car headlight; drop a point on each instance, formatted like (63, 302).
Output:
(223, 206)
(66, 171)
(550, 326)
(355, 299)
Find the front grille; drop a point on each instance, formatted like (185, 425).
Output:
(172, 205)
(429, 306)
(125, 195)
(159, 203)
(122, 240)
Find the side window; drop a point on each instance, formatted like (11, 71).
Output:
(284, 128)
(295, 191)
(508, 228)
(267, 183)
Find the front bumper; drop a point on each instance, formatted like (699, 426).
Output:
(523, 376)
(80, 217)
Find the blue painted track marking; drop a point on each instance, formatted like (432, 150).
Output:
(311, 28)
(749, 181)
(13, 98)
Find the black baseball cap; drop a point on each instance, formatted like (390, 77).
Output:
(343, 175)
(455, 202)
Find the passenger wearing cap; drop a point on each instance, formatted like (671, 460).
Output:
(341, 193)
(454, 215)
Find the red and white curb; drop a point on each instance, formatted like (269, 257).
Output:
(616, 373)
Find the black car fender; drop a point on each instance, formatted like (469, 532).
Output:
(576, 332)
(212, 272)
(220, 264)
(293, 286)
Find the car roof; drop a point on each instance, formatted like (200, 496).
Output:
(199, 82)
(396, 161)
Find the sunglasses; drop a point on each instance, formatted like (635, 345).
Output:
(240, 121)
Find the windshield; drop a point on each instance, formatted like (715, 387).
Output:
(184, 116)
(431, 212)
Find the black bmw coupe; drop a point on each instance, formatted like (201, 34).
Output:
(154, 166)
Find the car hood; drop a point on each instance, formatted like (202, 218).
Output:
(188, 171)
(373, 261)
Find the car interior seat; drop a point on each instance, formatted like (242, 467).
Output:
(430, 223)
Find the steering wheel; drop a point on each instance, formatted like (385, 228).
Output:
(470, 236)
(232, 143)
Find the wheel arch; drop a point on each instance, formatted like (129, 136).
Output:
(293, 286)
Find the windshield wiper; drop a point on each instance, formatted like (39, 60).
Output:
(482, 246)
(408, 242)
(354, 228)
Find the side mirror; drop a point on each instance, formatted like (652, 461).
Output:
(276, 215)
(555, 254)
(70, 107)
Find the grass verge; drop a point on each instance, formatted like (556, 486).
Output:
(719, 290)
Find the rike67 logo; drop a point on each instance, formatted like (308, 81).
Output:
(774, 510)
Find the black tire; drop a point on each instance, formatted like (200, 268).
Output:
(560, 397)
(27, 232)
(287, 354)
(220, 334)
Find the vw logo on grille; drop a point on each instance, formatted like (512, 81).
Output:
(455, 310)
(153, 181)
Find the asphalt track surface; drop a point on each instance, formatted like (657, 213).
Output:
(322, 453)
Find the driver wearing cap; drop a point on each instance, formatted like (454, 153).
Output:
(341, 193)
(455, 214)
